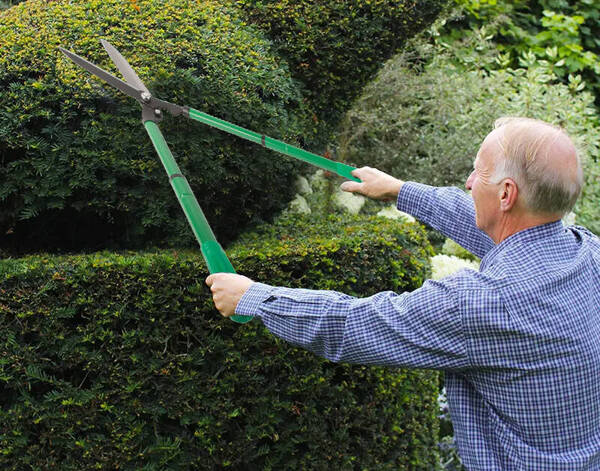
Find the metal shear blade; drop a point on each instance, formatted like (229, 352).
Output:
(126, 70)
(134, 87)
(104, 75)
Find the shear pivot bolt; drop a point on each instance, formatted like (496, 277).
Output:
(157, 113)
(146, 97)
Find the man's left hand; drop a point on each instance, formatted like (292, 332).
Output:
(227, 290)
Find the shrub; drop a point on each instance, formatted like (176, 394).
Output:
(428, 125)
(119, 361)
(76, 166)
(334, 47)
(562, 32)
(587, 210)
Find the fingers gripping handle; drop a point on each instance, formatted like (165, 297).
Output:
(217, 262)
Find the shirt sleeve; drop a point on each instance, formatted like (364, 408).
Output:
(421, 329)
(449, 210)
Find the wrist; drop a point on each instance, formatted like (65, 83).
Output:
(394, 188)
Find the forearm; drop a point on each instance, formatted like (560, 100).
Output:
(310, 319)
(448, 210)
(384, 329)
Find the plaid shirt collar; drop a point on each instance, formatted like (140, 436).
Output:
(522, 237)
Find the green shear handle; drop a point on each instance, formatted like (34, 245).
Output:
(338, 168)
(213, 253)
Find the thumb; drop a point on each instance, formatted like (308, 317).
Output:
(352, 187)
(210, 279)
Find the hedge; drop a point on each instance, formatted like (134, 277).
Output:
(76, 167)
(335, 47)
(120, 361)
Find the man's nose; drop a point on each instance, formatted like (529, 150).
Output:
(469, 182)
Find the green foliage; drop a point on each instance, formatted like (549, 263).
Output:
(587, 209)
(452, 248)
(562, 32)
(334, 47)
(427, 124)
(76, 165)
(76, 168)
(119, 361)
(329, 231)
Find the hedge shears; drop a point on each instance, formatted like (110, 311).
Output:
(152, 113)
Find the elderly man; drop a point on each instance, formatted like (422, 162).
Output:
(519, 340)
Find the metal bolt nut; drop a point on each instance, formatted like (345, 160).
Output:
(146, 97)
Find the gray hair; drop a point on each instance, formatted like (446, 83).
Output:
(526, 146)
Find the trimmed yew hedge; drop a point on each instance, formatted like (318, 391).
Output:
(120, 361)
(77, 170)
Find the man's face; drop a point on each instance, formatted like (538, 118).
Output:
(485, 193)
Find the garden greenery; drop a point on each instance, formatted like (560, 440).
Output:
(564, 33)
(120, 361)
(77, 170)
(335, 47)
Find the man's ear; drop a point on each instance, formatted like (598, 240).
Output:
(509, 192)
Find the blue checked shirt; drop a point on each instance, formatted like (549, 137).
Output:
(519, 339)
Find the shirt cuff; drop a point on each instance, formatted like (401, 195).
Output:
(412, 197)
(250, 302)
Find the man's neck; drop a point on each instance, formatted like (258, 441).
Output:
(512, 225)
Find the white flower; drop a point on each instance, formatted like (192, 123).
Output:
(442, 401)
(392, 212)
(299, 205)
(302, 186)
(349, 201)
(445, 265)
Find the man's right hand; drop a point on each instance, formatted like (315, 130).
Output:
(374, 184)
